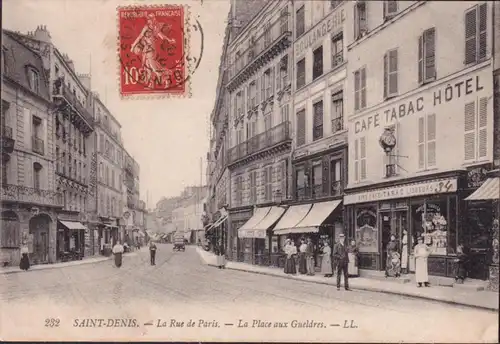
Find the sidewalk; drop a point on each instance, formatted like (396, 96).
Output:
(16, 269)
(479, 299)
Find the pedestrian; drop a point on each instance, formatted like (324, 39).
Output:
(421, 253)
(152, 252)
(290, 251)
(326, 260)
(25, 260)
(352, 253)
(392, 262)
(461, 264)
(342, 259)
(310, 257)
(302, 257)
(404, 252)
(118, 252)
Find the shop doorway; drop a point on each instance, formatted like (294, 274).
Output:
(385, 220)
(39, 227)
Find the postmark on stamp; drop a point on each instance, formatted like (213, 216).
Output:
(152, 51)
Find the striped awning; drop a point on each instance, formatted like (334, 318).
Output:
(73, 225)
(490, 190)
(292, 217)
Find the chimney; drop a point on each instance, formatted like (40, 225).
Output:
(41, 34)
(85, 79)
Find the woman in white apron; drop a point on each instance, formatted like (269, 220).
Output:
(404, 252)
(352, 252)
(421, 252)
(326, 261)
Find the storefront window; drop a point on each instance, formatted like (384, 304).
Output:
(476, 230)
(367, 229)
(274, 244)
(430, 220)
(452, 228)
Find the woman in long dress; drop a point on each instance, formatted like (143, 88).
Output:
(352, 252)
(404, 252)
(290, 251)
(118, 252)
(25, 260)
(326, 260)
(302, 257)
(393, 261)
(421, 253)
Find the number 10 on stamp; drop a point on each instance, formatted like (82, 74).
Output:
(151, 50)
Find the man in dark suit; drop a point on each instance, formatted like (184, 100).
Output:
(342, 259)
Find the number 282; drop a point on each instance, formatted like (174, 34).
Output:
(52, 322)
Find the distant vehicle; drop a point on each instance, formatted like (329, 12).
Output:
(179, 244)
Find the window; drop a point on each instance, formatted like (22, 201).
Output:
(269, 79)
(337, 112)
(113, 178)
(337, 50)
(282, 74)
(391, 74)
(335, 3)
(4, 165)
(318, 120)
(317, 62)
(301, 182)
(301, 127)
(252, 95)
(267, 34)
(300, 23)
(476, 34)
(390, 9)
(284, 113)
(37, 142)
(37, 171)
(317, 178)
(360, 89)
(475, 130)
(268, 121)
(282, 177)
(267, 182)
(336, 177)
(360, 159)
(239, 189)
(301, 73)
(427, 56)
(10, 233)
(107, 176)
(74, 168)
(4, 61)
(360, 22)
(34, 80)
(284, 20)
(57, 160)
(101, 143)
(427, 141)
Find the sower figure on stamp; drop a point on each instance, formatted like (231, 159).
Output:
(152, 252)
(340, 255)
(145, 44)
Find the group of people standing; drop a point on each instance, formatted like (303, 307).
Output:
(119, 249)
(343, 259)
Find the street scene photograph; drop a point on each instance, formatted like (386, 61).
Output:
(250, 170)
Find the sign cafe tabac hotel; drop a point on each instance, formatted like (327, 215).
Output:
(417, 149)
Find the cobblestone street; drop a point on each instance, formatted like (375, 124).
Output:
(180, 287)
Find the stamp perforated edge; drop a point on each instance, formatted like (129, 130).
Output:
(187, 46)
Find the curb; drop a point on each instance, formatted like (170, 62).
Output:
(58, 266)
(374, 289)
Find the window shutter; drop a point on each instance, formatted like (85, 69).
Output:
(356, 160)
(357, 86)
(326, 175)
(249, 92)
(362, 154)
(363, 88)
(356, 23)
(271, 79)
(430, 54)
(301, 127)
(470, 36)
(263, 88)
(278, 76)
(470, 131)
(393, 72)
(386, 72)
(431, 140)
(483, 19)
(269, 186)
(482, 127)
(243, 99)
(257, 94)
(421, 142)
(284, 179)
(421, 59)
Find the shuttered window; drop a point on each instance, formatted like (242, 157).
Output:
(10, 237)
(300, 22)
(356, 160)
(360, 20)
(301, 127)
(318, 120)
(390, 9)
(427, 141)
(253, 187)
(284, 179)
(263, 88)
(268, 183)
(427, 56)
(475, 130)
(360, 89)
(362, 158)
(284, 113)
(301, 73)
(317, 62)
(476, 33)
(391, 73)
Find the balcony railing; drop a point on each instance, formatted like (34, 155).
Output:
(7, 142)
(24, 194)
(61, 90)
(37, 145)
(271, 37)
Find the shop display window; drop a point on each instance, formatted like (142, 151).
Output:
(477, 227)
(367, 229)
(274, 244)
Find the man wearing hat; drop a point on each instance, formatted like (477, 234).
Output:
(340, 255)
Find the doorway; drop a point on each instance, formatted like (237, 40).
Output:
(385, 220)
(39, 227)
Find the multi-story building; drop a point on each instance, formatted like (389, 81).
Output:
(110, 162)
(259, 87)
(29, 198)
(420, 128)
(319, 160)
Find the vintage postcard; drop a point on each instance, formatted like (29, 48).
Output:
(250, 170)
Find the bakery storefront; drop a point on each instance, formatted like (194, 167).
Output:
(429, 207)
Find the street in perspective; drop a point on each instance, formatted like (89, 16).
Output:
(256, 170)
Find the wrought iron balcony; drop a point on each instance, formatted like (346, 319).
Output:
(8, 141)
(68, 101)
(37, 145)
(261, 143)
(337, 124)
(277, 37)
(24, 194)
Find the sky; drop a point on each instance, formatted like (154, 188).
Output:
(167, 137)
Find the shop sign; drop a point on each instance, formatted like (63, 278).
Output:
(331, 23)
(413, 190)
(427, 101)
(252, 233)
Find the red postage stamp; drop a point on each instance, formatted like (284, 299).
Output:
(152, 51)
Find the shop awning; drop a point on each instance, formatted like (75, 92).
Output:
(490, 190)
(219, 221)
(292, 217)
(318, 214)
(259, 230)
(247, 230)
(73, 225)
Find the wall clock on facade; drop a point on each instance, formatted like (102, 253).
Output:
(387, 140)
